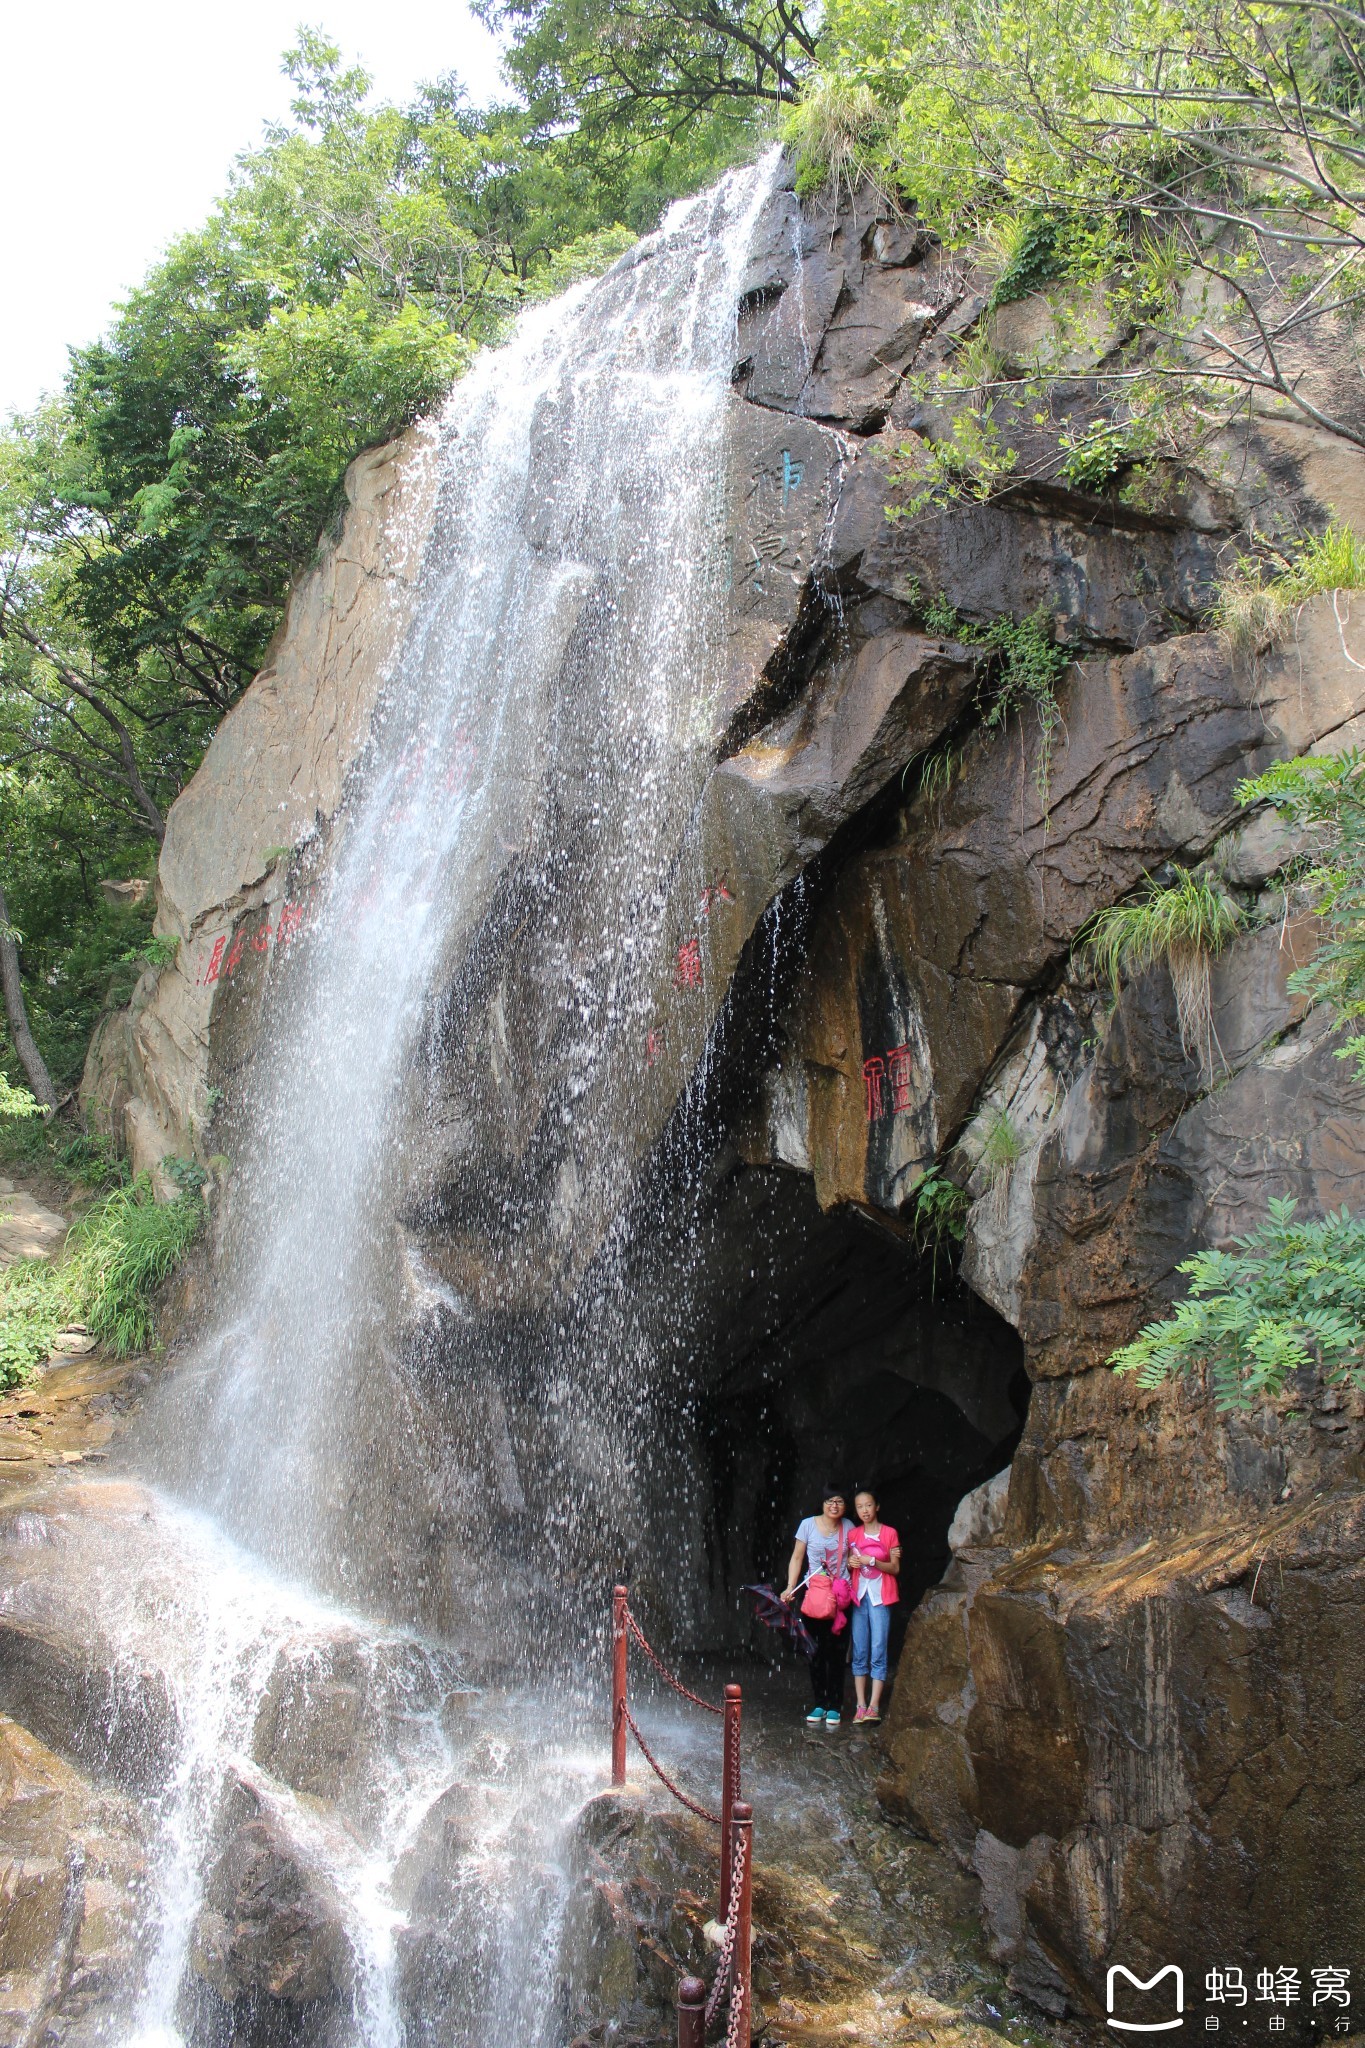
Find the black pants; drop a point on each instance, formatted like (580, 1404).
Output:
(827, 1665)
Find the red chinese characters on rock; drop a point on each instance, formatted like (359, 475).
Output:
(223, 959)
(654, 1046)
(886, 1083)
(874, 1073)
(687, 971)
(714, 893)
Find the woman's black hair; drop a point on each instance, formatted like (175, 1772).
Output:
(833, 1493)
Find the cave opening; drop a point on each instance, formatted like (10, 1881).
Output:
(821, 1346)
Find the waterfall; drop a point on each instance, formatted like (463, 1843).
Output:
(539, 747)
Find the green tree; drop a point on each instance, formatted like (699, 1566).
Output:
(1202, 164)
(655, 88)
(154, 516)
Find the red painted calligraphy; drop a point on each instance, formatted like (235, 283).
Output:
(874, 1071)
(717, 892)
(687, 972)
(895, 1067)
(222, 961)
(654, 1045)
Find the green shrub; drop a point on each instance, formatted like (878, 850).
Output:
(1033, 257)
(1024, 666)
(1093, 459)
(939, 1219)
(55, 1146)
(115, 1259)
(1290, 1295)
(17, 1101)
(34, 1306)
(1183, 924)
(121, 1251)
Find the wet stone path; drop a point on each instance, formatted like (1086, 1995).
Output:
(863, 1933)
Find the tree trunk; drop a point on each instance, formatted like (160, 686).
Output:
(39, 1079)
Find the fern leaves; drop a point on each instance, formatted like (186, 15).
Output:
(1287, 1296)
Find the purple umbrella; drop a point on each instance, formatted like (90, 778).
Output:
(774, 1613)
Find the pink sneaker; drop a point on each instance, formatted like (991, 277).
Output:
(861, 1715)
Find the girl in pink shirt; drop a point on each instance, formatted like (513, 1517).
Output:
(875, 1557)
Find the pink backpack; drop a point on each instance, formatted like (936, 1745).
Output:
(825, 1595)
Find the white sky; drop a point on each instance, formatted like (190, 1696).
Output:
(121, 118)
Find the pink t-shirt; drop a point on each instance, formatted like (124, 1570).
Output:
(881, 1585)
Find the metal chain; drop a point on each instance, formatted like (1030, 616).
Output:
(702, 1812)
(664, 1672)
(727, 1946)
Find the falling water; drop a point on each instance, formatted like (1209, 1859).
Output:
(543, 736)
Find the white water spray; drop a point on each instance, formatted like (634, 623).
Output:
(549, 716)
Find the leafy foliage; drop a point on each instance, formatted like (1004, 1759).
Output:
(1290, 1295)
(115, 1258)
(154, 515)
(56, 1148)
(939, 1218)
(33, 1311)
(16, 1101)
(692, 70)
(1181, 186)
(1023, 665)
(1326, 795)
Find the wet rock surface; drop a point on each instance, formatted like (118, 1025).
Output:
(863, 1933)
(72, 1866)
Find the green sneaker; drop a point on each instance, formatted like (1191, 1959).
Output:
(832, 1718)
(815, 1717)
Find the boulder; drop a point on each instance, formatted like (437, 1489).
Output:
(72, 1861)
(271, 1925)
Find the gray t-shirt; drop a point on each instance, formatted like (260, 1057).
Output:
(822, 1552)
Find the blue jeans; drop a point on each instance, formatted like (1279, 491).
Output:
(871, 1627)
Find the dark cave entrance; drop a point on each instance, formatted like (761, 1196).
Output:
(822, 1346)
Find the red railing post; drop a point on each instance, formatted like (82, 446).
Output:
(619, 1646)
(743, 1820)
(729, 1790)
(691, 2012)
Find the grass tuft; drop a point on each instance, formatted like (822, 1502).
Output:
(1183, 925)
(835, 130)
(1253, 611)
(106, 1278)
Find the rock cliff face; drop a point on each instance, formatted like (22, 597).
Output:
(1131, 1704)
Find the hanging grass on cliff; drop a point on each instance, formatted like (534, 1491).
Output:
(1324, 798)
(1182, 925)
